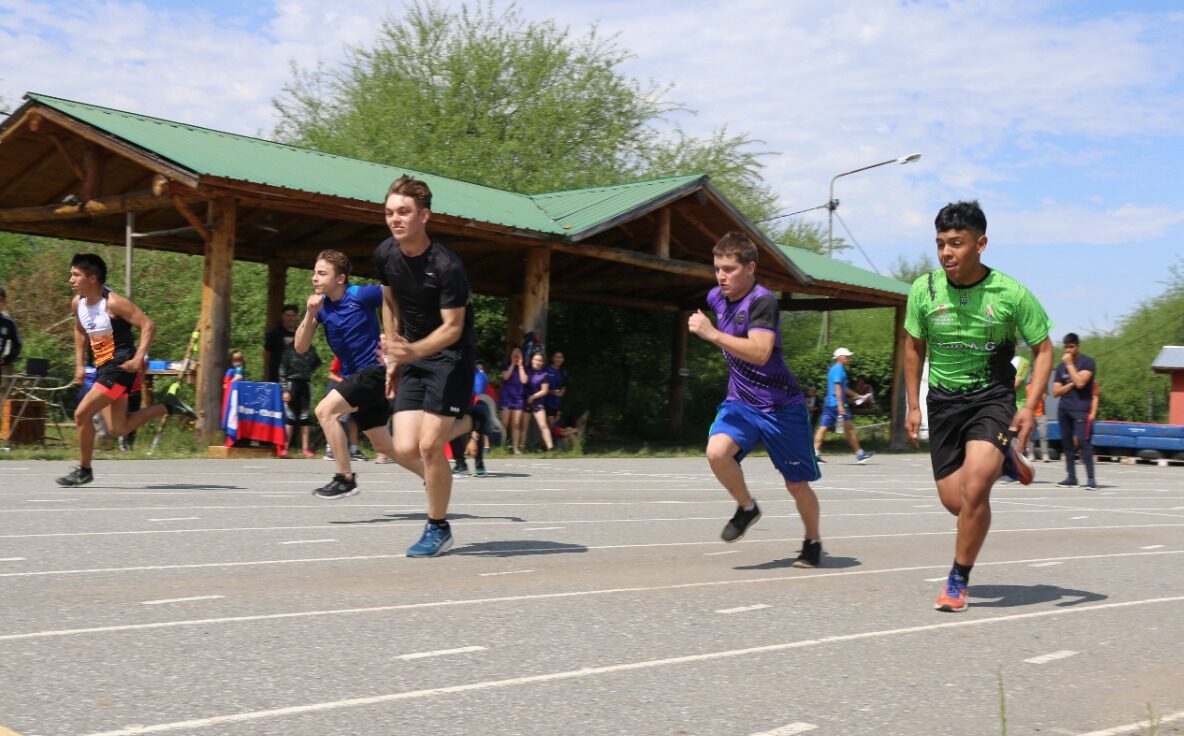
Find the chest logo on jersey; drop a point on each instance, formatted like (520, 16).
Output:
(964, 300)
(941, 315)
(989, 313)
(741, 317)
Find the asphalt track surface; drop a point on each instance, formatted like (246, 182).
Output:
(584, 596)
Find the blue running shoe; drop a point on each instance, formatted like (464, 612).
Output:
(436, 540)
(863, 456)
(1017, 466)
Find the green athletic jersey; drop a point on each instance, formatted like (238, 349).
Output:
(971, 331)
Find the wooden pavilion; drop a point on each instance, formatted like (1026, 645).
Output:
(83, 172)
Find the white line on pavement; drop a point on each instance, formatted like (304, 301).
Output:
(743, 609)
(49, 500)
(790, 729)
(507, 572)
(1075, 518)
(440, 653)
(725, 552)
(1136, 726)
(543, 528)
(583, 672)
(11, 559)
(177, 518)
(1045, 564)
(1153, 546)
(1050, 657)
(942, 579)
(513, 598)
(182, 600)
(309, 541)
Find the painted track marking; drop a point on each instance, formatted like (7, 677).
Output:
(1051, 657)
(182, 600)
(440, 653)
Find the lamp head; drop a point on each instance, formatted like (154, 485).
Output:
(909, 158)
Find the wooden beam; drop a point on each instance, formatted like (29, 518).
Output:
(18, 179)
(65, 154)
(192, 218)
(662, 234)
(214, 323)
(116, 204)
(536, 292)
(698, 225)
(92, 168)
(637, 258)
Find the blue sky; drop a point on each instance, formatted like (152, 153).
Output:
(1062, 118)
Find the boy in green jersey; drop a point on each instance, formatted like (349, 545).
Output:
(967, 317)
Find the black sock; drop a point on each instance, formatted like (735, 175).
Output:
(963, 571)
(442, 523)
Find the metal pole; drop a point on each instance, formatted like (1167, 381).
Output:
(128, 241)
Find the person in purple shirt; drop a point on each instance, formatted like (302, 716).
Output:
(764, 404)
(538, 385)
(512, 399)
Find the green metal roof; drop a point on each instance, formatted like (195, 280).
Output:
(580, 209)
(821, 268)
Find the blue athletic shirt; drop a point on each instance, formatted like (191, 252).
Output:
(836, 374)
(351, 327)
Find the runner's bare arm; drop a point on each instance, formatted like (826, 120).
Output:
(914, 361)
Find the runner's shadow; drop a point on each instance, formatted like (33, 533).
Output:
(515, 548)
(422, 516)
(828, 562)
(192, 487)
(1010, 596)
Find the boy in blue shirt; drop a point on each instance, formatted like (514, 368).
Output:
(835, 408)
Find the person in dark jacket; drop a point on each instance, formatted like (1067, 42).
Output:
(295, 374)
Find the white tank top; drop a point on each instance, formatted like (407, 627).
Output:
(110, 338)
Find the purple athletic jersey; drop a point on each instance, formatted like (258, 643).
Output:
(767, 387)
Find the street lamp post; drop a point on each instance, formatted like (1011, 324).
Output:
(832, 204)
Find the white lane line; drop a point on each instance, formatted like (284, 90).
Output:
(937, 580)
(309, 541)
(583, 672)
(1139, 726)
(1051, 657)
(790, 729)
(11, 559)
(1075, 518)
(182, 600)
(543, 528)
(502, 599)
(1045, 564)
(924, 506)
(177, 518)
(1153, 546)
(2, 467)
(743, 609)
(49, 500)
(440, 653)
(507, 572)
(725, 552)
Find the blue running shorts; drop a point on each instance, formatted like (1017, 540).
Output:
(785, 433)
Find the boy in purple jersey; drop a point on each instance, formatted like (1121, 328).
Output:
(764, 404)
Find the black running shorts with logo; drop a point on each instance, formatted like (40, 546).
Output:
(441, 385)
(366, 392)
(957, 418)
(114, 381)
(299, 399)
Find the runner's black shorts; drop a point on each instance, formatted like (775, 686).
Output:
(299, 398)
(366, 392)
(114, 381)
(442, 384)
(957, 418)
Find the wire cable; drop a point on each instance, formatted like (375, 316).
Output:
(857, 245)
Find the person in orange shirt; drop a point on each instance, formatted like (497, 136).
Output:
(1041, 431)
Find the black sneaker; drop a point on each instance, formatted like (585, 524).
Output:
(810, 555)
(1068, 483)
(339, 487)
(176, 406)
(356, 454)
(77, 477)
(740, 522)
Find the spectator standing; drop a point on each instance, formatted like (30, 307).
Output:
(512, 398)
(281, 337)
(295, 378)
(10, 338)
(1041, 424)
(1073, 383)
(537, 389)
(557, 380)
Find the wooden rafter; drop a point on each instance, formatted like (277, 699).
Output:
(112, 205)
(18, 179)
(191, 217)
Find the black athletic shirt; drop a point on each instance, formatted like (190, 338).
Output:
(423, 285)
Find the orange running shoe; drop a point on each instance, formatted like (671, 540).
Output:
(953, 598)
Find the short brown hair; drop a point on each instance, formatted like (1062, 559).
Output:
(414, 188)
(736, 244)
(338, 260)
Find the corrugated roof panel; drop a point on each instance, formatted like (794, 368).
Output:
(1170, 358)
(579, 209)
(819, 267)
(215, 153)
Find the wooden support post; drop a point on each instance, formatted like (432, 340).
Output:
(678, 370)
(215, 316)
(536, 293)
(277, 283)
(662, 234)
(897, 437)
(92, 166)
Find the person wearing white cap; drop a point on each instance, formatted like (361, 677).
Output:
(835, 408)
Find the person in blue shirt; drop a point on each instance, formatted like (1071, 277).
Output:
(351, 329)
(836, 408)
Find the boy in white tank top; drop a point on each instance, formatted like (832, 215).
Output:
(104, 320)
